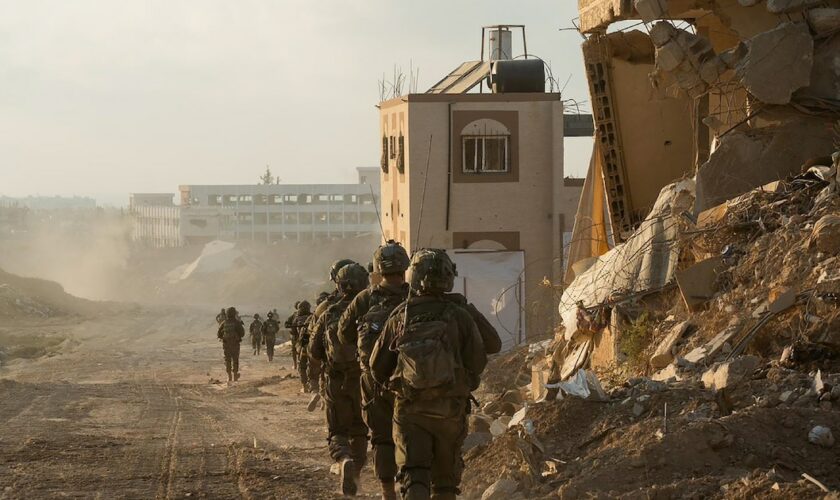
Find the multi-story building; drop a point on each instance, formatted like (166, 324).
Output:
(265, 212)
(482, 174)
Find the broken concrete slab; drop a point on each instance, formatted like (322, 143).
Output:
(729, 373)
(502, 489)
(697, 283)
(476, 439)
(479, 423)
(706, 352)
(782, 300)
(576, 358)
(665, 351)
(668, 374)
(778, 63)
(824, 20)
(499, 426)
(825, 236)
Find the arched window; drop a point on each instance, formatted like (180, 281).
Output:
(485, 147)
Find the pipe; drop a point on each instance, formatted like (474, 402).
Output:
(449, 165)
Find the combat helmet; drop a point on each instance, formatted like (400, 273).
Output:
(231, 313)
(303, 306)
(321, 297)
(352, 278)
(432, 272)
(337, 265)
(390, 258)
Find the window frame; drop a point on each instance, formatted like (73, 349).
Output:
(483, 140)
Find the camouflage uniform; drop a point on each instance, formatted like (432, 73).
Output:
(359, 328)
(231, 332)
(294, 337)
(269, 333)
(256, 334)
(315, 353)
(431, 356)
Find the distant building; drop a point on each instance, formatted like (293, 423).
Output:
(482, 174)
(50, 202)
(264, 212)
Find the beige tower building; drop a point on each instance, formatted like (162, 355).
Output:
(481, 173)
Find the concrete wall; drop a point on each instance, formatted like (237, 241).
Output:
(528, 211)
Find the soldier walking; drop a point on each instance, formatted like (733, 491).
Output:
(256, 334)
(269, 334)
(294, 336)
(299, 331)
(431, 356)
(360, 326)
(231, 333)
(342, 393)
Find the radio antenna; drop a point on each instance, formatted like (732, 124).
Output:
(423, 195)
(376, 207)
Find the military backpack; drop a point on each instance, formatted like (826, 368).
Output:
(339, 353)
(373, 322)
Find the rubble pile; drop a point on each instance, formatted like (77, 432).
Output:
(730, 385)
(30, 298)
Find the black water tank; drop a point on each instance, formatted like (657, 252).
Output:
(518, 75)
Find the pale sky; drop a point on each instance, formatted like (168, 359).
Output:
(106, 97)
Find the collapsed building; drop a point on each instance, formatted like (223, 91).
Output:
(700, 341)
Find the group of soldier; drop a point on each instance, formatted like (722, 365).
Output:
(232, 330)
(394, 361)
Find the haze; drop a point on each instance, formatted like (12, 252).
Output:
(103, 98)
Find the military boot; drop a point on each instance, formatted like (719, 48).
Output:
(388, 491)
(236, 376)
(348, 477)
(230, 376)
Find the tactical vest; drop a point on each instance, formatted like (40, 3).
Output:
(231, 331)
(427, 364)
(300, 325)
(370, 326)
(256, 327)
(271, 327)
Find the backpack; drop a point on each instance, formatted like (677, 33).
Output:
(373, 322)
(426, 361)
(271, 327)
(337, 352)
(256, 327)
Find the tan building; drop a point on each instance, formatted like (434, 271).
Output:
(482, 174)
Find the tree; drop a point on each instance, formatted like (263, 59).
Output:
(267, 178)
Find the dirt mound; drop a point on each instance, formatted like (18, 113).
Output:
(36, 298)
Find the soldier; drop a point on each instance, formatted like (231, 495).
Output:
(347, 431)
(431, 355)
(256, 334)
(299, 330)
(231, 332)
(269, 333)
(325, 299)
(220, 318)
(294, 335)
(360, 326)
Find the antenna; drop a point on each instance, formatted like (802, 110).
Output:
(423, 195)
(378, 217)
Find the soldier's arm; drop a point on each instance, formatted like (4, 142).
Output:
(316, 340)
(240, 328)
(383, 361)
(473, 353)
(489, 335)
(221, 332)
(348, 324)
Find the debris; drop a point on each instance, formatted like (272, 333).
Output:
(499, 426)
(583, 385)
(667, 374)
(476, 439)
(664, 353)
(697, 283)
(824, 20)
(729, 373)
(788, 397)
(785, 6)
(778, 62)
(826, 234)
(518, 417)
(821, 436)
(479, 423)
(638, 409)
(500, 490)
(817, 483)
(576, 358)
(704, 353)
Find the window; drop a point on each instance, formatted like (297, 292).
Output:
(486, 153)
(383, 159)
(392, 147)
(401, 154)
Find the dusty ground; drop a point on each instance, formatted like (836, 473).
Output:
(125, 409)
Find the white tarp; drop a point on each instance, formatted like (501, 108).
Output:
(492, 281)
(216, 256)
(646, 261)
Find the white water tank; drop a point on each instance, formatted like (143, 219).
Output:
(501, 46)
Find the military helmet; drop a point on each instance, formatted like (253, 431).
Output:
(297, 303)
(270, 315)
(304, 306)
(432, 271)
(321, 297)
(390, 258)
(352, 278)
(256, 315)
(231, 313)
(337, 265)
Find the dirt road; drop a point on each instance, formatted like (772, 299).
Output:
(127, 410)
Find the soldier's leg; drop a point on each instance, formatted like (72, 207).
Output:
(339, 416)
(294, 354)
(449, 434)
(378, 412)
(356, 425)
(303, 365)
(269, 347)
(314, 375)
(235, 356)
(228, 361)
(414, 452)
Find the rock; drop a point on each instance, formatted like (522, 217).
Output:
(705, 352)
(668, 374)
(665, 351)
(778, 63)
(476, 439)
(732, 57)
(824, 20)
(835, 393)
(785, 6)
(821, 436)
(502, 489)
(513, 397)
(721, 442)
(650, 10)
(826, 234)
(638, 409)
(729, 373)
(499, 426)
(826, 405)
(661, 33)
(479, 423)
(788, 397)
(669, 56)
